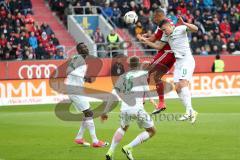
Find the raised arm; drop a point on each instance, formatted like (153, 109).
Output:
(191, 27)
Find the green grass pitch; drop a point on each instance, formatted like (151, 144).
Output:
(34, 132)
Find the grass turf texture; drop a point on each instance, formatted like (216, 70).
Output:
(34, 132)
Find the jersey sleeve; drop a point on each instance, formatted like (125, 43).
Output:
(119, 84)
(158, 33)
(183, 28)
(164, 38)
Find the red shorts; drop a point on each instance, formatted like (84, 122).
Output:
(163, 61)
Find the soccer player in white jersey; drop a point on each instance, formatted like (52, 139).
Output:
(178, 40)
(76, 77)
(131, 87)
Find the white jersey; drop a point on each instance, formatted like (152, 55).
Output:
(131, 88)
(178, 42)
(76, 71)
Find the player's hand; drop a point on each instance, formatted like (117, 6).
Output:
(145, 35)
(104, 117)
(180, 20)
(140, 37)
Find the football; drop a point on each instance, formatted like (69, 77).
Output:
(130, 17)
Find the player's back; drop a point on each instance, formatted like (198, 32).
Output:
(132, 87)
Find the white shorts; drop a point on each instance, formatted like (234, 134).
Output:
(184, 69)
(141, 116)
(79, 102)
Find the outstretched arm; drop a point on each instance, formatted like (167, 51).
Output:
(191, 27)
(158, 46)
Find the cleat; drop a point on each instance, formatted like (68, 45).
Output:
(161, 107)
(109, 155)
(100, 144)
(82, 142)
(184, 117)
(128, 152)
(193, 117)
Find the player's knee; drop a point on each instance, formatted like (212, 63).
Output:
(125, 128)
(151, 131)
(88, 113)
(177, 87)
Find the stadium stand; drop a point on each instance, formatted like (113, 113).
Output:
(22, 37)
(218, 20)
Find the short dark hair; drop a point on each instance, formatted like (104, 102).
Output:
(79, 46)
(159, 10)
(217, 56)
(134, 62)
(162, 22)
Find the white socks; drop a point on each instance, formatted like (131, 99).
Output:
(185, 96)
(117, 138)
(139, 139)
(91, 127)
(81, 131)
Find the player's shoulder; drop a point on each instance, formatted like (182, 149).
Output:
(180, 28)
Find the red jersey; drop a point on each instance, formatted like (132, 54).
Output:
(162, 59)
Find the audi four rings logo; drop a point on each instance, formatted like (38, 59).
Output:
(37, 71)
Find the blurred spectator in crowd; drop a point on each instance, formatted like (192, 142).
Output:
(218, 65)
(224, 50)
(113, 40)
(33, 41)
(46, 28)
(59, 55)
(108, 11)
(203, 52)
(139, 28)
(54, 40)
(116, 14)
(77, 9)
(117, 67)
(195, 44)
(231, 45)
(98, 37)
(215, 50)
(225, 27)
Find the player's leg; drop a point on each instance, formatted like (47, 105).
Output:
(182, 76)
(145, 121)
(125, 120)
(91, 127)
(80, 106)
(183, 91)
(160, 70)
(87, 123)
(117, 137)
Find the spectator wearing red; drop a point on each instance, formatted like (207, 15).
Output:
(3, 41)
(44, 39)
(237, 35)
(182, 7)
(3, 12)
(225, 27)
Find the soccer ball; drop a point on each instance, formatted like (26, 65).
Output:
(130, 17)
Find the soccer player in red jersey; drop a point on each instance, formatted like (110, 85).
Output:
(162, 61)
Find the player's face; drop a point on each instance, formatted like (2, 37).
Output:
(83, 50)
(157, 17)
(167, 29)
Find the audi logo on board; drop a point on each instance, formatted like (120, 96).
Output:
(37, 71)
